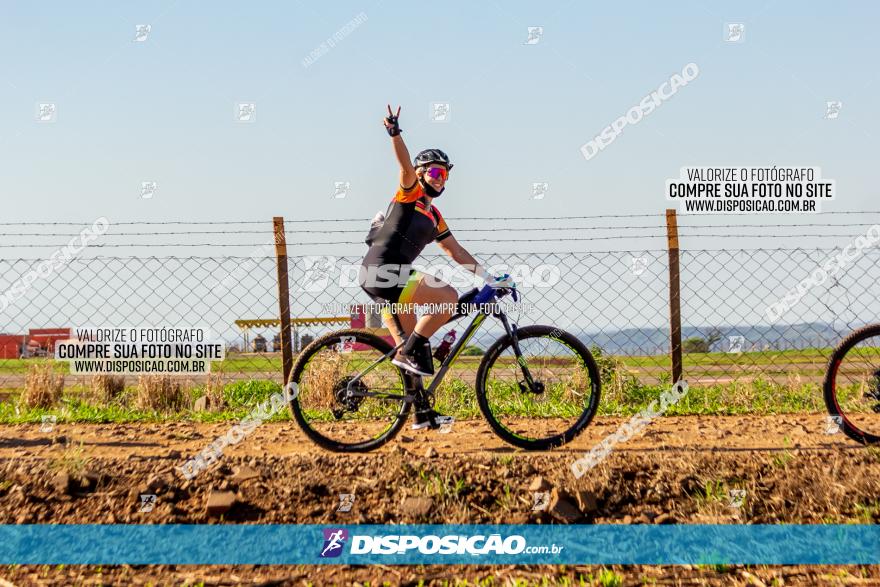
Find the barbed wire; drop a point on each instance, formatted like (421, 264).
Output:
(504, 229)
(362, 219)
(296, 220)
(271, 255)
(466, 230)
(469, 240)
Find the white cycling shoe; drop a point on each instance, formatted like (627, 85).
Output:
(431, 419)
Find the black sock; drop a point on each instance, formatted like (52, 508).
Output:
(415, 339)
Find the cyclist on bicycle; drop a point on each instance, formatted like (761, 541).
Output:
(412, 221)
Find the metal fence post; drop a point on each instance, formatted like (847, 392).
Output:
(283, 296)
(674, 295)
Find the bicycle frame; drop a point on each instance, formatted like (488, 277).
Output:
(482, 314)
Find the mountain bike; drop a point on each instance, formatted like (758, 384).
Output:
(852, 385)
(537, 386)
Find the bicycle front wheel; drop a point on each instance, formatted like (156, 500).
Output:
(340, 410)
(562, 399)
(852, 386)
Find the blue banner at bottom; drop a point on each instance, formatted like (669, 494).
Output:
(439, 544)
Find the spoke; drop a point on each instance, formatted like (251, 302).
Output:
(554, 369)
(350, 397)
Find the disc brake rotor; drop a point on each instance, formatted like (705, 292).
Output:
(537, 389)
(536, 393)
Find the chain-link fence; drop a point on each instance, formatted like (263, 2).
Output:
(223, 295)
(615, 301)
(771, 314)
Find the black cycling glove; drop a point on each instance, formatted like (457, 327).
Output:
(392, 126)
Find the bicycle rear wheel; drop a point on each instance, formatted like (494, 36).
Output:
(852, 386)
(332, 408)
(566, 394)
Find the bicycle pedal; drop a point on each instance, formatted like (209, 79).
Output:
(429, 425)
(443, 424)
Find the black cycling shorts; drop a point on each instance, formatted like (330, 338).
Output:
(394, 292)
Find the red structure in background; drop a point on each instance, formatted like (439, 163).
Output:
(43, 339)
(10, 345)
(373, 323)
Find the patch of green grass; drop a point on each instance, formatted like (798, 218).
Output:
(272, 362)
(20, 366)
(624, 380)
(72, 461)
(782, 459)
(443, 486)
(507, 501)
(714, 491)
(718, 497)
(505, 398)
(458, 398)
(608, 578)
(708, 561)
(867, 512)
(77, 409)
(249, 393)
(768, 357)
(756, 397)
(624, 392)
(454, 396)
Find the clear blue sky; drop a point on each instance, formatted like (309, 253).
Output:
(163, 109)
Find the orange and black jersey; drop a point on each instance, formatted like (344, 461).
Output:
(409, 227)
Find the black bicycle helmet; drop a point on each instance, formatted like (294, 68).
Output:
(429, 156)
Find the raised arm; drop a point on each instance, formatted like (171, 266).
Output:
(407, 171)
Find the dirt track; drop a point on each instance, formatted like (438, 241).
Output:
(684, 434)
(680, 470)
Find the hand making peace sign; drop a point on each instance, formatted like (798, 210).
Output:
(390, 122)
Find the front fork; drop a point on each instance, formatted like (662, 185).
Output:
(533, 386)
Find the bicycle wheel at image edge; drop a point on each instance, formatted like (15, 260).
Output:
(322, 372)
(573, 396)
(848, 395)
